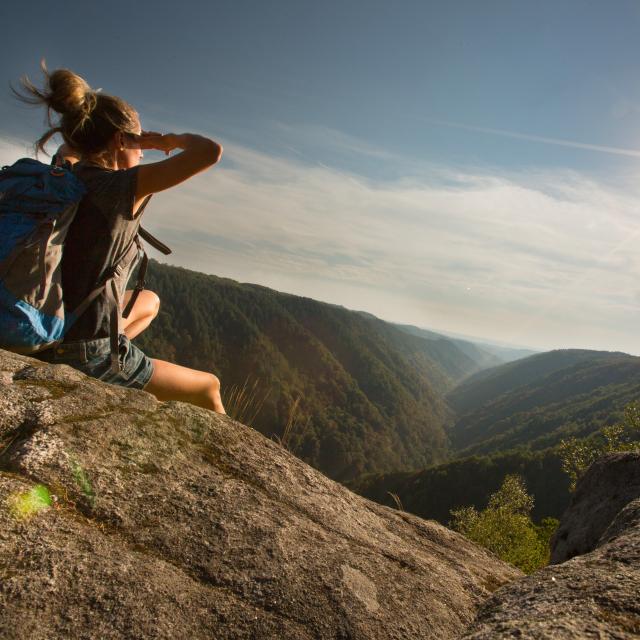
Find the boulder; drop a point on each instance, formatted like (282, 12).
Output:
(593, 595)
(124, 517)
(607, 487)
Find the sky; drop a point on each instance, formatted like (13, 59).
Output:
(470, 167)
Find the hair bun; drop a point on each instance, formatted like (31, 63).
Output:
(69, 93)
(88, 119)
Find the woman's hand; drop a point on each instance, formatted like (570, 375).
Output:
(160, 142)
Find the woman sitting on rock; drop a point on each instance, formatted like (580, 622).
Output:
(104, 132)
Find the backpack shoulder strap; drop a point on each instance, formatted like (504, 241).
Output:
(154, 242)
(109, 285)
(142, 272)
(140, 282)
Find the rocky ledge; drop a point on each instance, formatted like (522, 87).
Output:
(123, 517)
(594, 591)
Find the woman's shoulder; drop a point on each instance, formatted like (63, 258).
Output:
(91, 171)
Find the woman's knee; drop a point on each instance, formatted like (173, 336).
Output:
(153, 302)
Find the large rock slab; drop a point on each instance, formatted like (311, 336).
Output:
(169, 521)
(594, 595)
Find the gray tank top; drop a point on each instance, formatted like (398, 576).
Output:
(100, 236)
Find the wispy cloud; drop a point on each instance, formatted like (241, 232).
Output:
(560, 142)
(330, 139)
(527, 258)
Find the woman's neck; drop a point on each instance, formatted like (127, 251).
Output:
(102, 160)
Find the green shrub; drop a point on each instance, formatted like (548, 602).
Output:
(505, 526)
(577, 455)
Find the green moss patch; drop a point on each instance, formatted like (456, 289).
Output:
(24, 505)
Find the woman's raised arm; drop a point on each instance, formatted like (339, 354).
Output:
(198, 153)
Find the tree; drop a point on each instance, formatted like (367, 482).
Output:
(505, 526)
(578, 455)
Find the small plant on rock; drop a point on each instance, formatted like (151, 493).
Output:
(82, 480)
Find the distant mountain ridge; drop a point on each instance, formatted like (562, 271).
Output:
(455, 360)
(484, 352)
(479, 358)
(494, 381)
(458, 358)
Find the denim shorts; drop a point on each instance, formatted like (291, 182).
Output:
(93, 357)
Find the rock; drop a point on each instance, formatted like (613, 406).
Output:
(169, 521)
(628, 518)
(609, 485)
(594, 595)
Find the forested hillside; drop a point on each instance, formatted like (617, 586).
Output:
(354, 395)
(491, 383)
(350, 394)
(432, 493)
(538, 401)
(519, 413)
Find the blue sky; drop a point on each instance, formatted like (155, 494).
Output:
(466, 166)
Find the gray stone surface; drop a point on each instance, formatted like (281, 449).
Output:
(594, 595)
(171, 522)
(608, 486)
(627, 519)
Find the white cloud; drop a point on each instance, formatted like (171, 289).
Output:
(548, 260)
(11, 149)
(527, 258)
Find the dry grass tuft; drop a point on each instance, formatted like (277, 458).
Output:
(291, 425)
(243, 403)
(396, 498)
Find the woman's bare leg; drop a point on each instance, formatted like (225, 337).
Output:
(144, 311)
(173, 382)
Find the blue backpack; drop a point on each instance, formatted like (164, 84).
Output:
(37, 204)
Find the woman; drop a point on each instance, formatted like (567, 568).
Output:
(104, 132)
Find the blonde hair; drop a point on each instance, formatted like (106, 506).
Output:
(88, 119)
